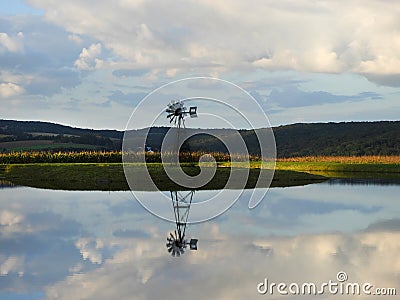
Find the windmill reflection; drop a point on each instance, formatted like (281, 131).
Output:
(176, 240)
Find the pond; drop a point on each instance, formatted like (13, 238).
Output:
(105, 245)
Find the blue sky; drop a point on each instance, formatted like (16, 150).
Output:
(303, 61)
(17, 7)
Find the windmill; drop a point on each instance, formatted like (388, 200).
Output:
(177, 112)
(176, 240)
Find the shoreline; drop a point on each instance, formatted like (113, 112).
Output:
(110, 176)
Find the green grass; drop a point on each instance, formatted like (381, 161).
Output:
(357, 169)
(111, 177)
(338, 167)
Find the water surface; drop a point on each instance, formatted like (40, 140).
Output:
(104, 245)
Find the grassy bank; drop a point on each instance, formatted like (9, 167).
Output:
(103, 175)
(333, 166)
(338, 167)
(342, 164)
(111, 177)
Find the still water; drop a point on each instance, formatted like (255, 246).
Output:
(104, 245)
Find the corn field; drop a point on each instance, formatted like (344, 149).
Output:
(184, 157)
(373, 159)
(60, 157)
(112, 157)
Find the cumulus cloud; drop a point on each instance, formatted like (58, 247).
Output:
(9, 218)
(142, 268)
(29, 63)
(75, 38)
(11, 43)
(10, 89)
(11, 264)
(106, 56)
(88, 59)
(94, 250)
(307, 35)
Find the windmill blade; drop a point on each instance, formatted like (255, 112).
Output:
(177, 112)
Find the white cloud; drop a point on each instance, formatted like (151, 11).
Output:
(10, 89)
(143, 268)
(11, 43)
(75, 38)
(38, 61)
(90, 249)
(88, 59)
(11, 264)
(152, 42)
(9, 218)
(308, 36)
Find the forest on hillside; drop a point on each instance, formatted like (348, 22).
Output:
(302, 139)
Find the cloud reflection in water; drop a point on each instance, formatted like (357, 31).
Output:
(96, 245)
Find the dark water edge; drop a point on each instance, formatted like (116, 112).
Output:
(5, 184)
(364, 181)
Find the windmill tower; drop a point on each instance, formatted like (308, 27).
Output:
(176, 240)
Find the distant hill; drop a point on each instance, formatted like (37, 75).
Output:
(35, 135)
(345, 138)
(302, 139)
(11, 126)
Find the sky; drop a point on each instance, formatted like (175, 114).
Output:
(303, 61)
